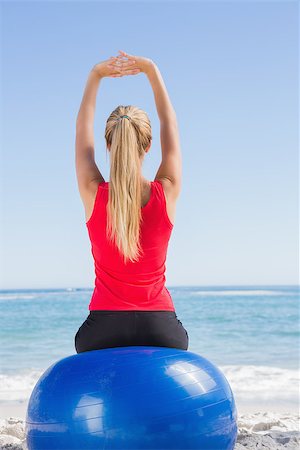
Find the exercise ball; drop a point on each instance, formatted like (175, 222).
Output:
(138, 397)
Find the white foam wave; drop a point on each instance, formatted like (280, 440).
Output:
(239, 293)
(248, 382)
(263, 383)
(19, 386)
(16, 296)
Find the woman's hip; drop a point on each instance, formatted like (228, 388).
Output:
(104, 328)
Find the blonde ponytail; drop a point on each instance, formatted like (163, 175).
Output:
(127, 137)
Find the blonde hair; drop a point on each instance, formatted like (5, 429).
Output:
(128, 138)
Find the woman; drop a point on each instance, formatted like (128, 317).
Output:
(129, 219)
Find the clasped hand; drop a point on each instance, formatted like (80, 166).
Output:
(123, 64)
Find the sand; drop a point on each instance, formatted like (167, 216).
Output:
(265, 430)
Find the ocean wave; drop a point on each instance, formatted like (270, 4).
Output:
(42, 294)
(262, 383)
(240, 293)
(18, 386)
(17, 296)
(247, 382)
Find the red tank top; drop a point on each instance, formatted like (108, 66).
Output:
(136, 285)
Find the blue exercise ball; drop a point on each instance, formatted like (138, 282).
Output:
(138, 397)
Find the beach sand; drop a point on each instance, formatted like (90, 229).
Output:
(257, 430)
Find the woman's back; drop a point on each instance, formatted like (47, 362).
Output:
(136, 285)
(129, 226)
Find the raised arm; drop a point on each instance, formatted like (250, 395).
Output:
(171, 166)
(86, 169)
(88, 174)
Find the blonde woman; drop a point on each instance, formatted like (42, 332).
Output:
(129, 219)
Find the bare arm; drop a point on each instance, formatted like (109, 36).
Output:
(88, 174)
(171, 165)
(86, 168)
(163, 103)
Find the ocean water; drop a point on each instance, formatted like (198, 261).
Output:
(250, 333)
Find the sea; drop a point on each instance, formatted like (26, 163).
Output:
(250, 332)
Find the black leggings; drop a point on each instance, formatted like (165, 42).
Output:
(105, 328)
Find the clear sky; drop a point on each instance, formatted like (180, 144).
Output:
(231, 69)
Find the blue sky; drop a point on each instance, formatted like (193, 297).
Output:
(231, 70)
